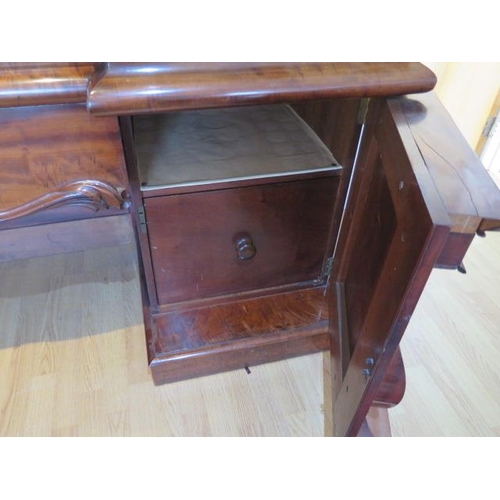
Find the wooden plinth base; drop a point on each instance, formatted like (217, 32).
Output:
(235, 335)
(243, 333)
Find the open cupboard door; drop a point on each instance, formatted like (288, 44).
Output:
(394, 228)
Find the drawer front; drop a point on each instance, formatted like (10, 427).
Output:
(221, 242)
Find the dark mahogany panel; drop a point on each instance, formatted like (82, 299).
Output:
(222, 337)
(392, 388)
(394, 198)
(369, 252)
(222, 242)
(454, 250)
(338, 124)
(218, 324)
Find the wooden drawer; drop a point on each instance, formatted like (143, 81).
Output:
(194, 238)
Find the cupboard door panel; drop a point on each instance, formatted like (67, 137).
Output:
(393, 231)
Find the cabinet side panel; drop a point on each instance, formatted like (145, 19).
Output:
(337, 123)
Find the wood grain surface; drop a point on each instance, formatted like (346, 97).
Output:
(239, 334)
(91, 194)
(388, 252)
(467, 191)
(128, 88)
(30, 84)
(193, 249)
(133, 88)
(46, 147)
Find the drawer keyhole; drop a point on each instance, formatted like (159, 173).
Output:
(245, 249)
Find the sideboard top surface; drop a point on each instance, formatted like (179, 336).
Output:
(133, 88)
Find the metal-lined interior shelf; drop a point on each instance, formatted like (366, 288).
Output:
(226, 144)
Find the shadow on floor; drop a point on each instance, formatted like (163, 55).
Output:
(69, 296)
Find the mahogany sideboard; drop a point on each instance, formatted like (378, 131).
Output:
(279, 209)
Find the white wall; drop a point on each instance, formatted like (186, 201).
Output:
(468, 91)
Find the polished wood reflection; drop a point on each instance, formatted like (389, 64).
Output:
(46, 150)
(133, 88)
(28, 84)
(91, 194)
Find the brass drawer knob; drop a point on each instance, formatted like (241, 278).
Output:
(245, 249)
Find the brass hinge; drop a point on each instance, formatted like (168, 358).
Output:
(363, 110)
(142, 218)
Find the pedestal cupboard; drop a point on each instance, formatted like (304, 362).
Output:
(279, 208)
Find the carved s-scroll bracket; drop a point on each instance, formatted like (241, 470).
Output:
(93, 194)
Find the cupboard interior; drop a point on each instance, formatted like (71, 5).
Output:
(190, 153)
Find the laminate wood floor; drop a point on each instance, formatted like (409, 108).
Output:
(73, 360)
